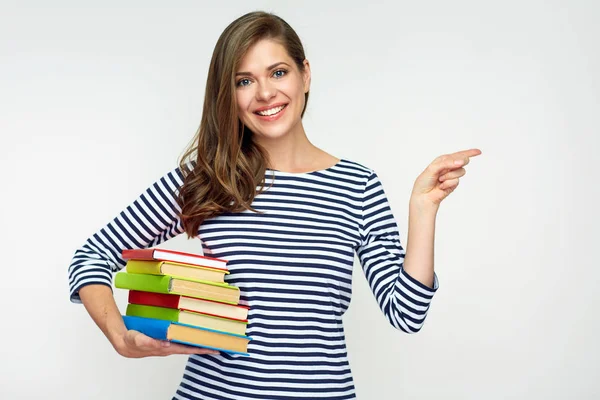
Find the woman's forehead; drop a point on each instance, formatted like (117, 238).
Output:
(262, 54)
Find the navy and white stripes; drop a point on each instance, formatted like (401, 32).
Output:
(293, 264)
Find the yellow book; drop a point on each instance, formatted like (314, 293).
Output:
(176, 270)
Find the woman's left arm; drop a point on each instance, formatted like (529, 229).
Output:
(404, 282)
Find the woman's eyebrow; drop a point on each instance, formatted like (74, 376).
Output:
(268, 68)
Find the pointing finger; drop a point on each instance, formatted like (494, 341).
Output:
(466, 153)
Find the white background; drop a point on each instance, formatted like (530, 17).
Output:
(97, 100)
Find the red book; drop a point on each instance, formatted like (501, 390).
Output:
(174, 256)
(215, 308)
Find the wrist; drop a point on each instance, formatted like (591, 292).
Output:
(116, 334)
(118, 343)
(420, 206)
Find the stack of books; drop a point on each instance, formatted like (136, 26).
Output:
(183, 298)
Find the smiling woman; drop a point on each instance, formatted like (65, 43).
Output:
(288, 217)
(272, 92)
(258, 66)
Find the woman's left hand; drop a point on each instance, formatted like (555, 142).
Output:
(440, 178)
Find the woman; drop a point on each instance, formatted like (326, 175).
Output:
(288, 217)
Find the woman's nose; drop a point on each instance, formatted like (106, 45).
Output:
(265, 91)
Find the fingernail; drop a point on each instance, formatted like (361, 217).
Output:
(458, 162)
(165, 343)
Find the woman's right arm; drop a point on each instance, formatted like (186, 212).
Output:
(100, 304)
(150, 220)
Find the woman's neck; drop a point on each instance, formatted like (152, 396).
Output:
(292, 152)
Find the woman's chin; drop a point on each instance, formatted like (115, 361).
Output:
(271, 133)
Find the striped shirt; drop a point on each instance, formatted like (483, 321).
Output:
(293, 264)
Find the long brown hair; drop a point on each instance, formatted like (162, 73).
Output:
(223, 166)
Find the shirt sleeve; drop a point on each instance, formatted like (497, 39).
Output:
(403, 300)
(149, 220)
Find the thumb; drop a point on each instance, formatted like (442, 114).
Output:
(445, 164)
(138, 339)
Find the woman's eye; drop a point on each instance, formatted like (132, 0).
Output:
(280, 73)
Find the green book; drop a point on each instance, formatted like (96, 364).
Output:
(188, 317)
(221, 292)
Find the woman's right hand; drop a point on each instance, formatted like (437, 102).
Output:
(135, 344)
(100, 304)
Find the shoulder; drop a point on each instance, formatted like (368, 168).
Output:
(172, 179)
(183, 169)
(365, 176)
(355, 168)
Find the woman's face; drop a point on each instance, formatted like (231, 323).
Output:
(270, 90)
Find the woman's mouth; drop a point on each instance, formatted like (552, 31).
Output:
(272, 113)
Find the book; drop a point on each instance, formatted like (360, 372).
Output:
(154, 254)
(189, 335)
(188, 318)
(167, 284)
(231, 311)
(176, 270)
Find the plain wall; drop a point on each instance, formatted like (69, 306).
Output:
(99, 99)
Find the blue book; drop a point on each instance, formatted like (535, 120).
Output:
(189, 334)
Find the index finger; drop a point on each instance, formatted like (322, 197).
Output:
(468, 153)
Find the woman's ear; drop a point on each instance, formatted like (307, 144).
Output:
(306, 76)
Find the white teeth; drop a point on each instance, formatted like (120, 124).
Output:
(271, 111)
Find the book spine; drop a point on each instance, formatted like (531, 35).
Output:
(155, 328)
(154, 299)
(138, 310)
(142, 282)
(144, 267)
(139, 254)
